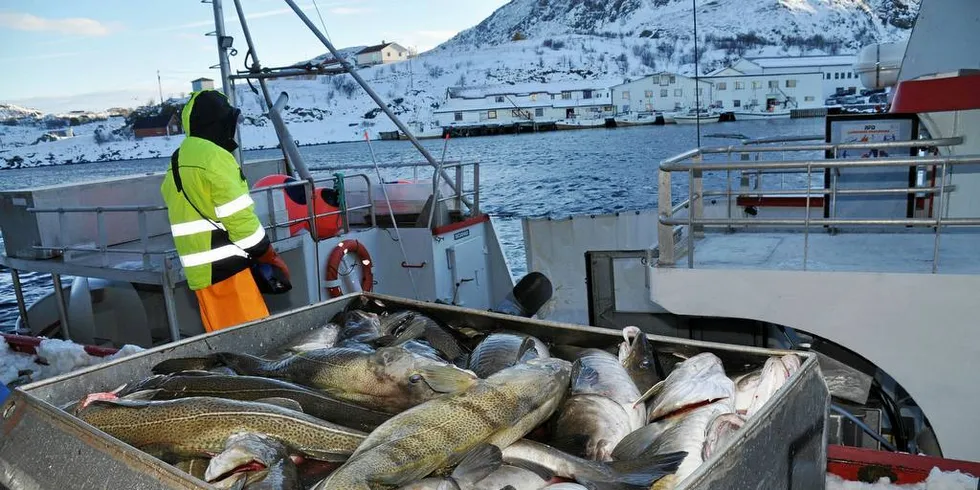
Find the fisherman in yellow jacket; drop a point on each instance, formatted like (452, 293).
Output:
(216, 232)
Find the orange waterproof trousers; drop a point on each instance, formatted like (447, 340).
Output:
(231, 302)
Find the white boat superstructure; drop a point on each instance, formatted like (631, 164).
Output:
(693, 116)
(858, 244)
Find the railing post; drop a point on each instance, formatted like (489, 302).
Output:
(475, 211)
(697, 197)
(169, 304)
(59, 296)
(939, 219)
(665, 232)
(21, 304)
(144, 237)
(459, 187)
(806, 226)
(100, 232)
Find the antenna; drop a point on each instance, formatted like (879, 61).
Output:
(697, 84)
(160, 86)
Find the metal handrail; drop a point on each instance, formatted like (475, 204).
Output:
(691, 162)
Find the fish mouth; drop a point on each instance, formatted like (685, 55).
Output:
(254, 466)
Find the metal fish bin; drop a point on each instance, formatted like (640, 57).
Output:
(43, 447)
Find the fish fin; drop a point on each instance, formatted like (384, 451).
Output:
(583, 374)
(478, 463)
(385, 341)
(527, 351)
(144, 395)
(463, 361)
(645, 470)
(650, 393)
(281, 402)
(171, 366)
(542, 472)
(633, 445)
(413, 331)
(448, 379)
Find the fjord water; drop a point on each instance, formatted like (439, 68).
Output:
(555, 174)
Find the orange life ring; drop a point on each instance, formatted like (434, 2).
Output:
(333, 263)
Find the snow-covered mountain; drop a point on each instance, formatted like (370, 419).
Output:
(726, 28)
(544, 41)
(11, 111)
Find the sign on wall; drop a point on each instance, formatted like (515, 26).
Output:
(871, 128)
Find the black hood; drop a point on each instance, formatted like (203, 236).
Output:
(212, 118)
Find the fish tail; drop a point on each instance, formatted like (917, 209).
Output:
(640, 472)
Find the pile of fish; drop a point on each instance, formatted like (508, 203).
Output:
(392, 400)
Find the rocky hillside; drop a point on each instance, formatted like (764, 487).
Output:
(726, 28)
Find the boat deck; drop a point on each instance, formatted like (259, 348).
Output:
(845, 252)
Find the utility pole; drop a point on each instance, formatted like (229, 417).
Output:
(160, 86)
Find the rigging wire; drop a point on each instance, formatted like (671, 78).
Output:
(391, 212)
(697, 88)
(324, 26)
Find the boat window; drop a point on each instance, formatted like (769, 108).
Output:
(663, 92)
(539, 112)
(808, 98)
(656, 79)
(736, 103)
(648, 94)
(458, 116)
(566, 95)
(678, 92)
(491, 114)
(500, 98)
(739, 85)
(586, 94)
(828, 76)
(837, 76)
(626, 95)
(756, 84)
(722, 86)
(773, 83)
(849, 74)
(673, 79)
(790, 83)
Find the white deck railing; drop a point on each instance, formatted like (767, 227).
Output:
(692, 225)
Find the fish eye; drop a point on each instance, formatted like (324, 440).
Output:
(415, 378)
(645, 363)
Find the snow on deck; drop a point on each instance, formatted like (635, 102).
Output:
(937, 480)
(845, 252)
(60, 356)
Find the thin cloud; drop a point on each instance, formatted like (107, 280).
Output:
(232, 16)
(42, 56)
(436, 34)
(350, 11)
(78, 26)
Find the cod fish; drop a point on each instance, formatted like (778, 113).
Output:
(640, 472)
(755, 389)
(419, 326)
(253, 462)
(200, 426)
(719, 431)
(498, 410)
(640, 360)
(389, 380)
(514, 478)
(599, 411)
(359, 327)
(323, 337)
(253, 388)
(499, 351)
(474, 468)
(696, 381)
(688, 435)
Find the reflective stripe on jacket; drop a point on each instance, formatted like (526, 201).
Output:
(214, 247)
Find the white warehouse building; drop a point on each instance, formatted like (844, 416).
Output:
(837, 72)
(762, 92)
(659, 92)
(669, 92)
(525, 103)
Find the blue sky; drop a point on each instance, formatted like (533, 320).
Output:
(93, 54)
